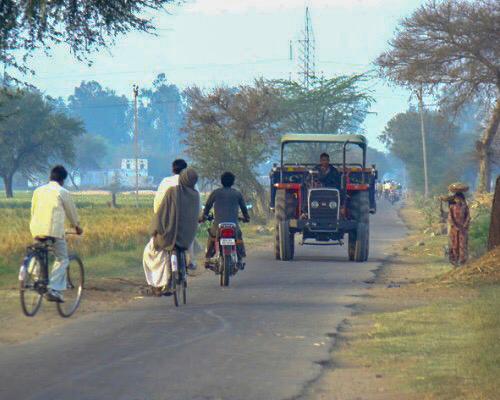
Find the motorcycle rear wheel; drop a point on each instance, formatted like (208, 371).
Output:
(227, 267)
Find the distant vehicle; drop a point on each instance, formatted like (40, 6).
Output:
(322, 215)
(393, 196)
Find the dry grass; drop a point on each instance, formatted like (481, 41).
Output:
(105, 229)
(483, 270)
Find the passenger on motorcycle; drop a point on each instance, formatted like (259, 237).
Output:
(226, 202)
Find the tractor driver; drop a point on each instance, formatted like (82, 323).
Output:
(328, 175)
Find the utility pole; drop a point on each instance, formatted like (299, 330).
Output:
(420, 96)
(135, 89)
(4, 79)
(307, 48)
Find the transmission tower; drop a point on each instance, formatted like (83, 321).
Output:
(307, 47)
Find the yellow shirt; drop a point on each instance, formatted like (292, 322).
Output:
(165, 184)
(50, 205)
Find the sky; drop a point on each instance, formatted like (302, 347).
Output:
(231, 42)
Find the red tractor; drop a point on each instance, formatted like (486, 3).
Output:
(322, 214)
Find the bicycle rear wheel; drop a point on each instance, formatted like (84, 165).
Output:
(179, 283)
(74, 287)
(31, 298)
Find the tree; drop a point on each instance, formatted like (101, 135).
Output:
(403, 140)
(161, 113)
(102, 111)
(84, 26)
(385, 162)
(33, 135)
(494, 234)
(335, 105)
(115, 187)
(233, 129)
(90, 151)
(452, 45)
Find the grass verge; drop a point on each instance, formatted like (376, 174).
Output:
(446, 350)
(426, 331)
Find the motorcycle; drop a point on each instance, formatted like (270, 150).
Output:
(225, 263)
(393, 196)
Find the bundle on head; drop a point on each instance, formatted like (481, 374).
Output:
(458, 187)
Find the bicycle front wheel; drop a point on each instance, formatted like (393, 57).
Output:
(74, 287)
(30, 296)
(176, 288)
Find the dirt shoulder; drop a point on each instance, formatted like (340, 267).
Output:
(415, 336)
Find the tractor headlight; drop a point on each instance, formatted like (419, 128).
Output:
(314, 204)
(332, 205)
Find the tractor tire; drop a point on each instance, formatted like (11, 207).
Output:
(286, 247)
(277, 251)
(351, 245)
(359, 241)
(361, 249)
(285, 208)
(285, 205)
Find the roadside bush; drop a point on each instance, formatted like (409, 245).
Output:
(429, 208)
(479, 230)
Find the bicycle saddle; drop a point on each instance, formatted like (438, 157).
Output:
(42, 242)
(45, 239)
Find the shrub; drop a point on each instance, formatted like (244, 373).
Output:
(479, 230)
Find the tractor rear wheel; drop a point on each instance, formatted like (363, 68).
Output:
(285, 205)
(351, 245)
(277, 251)
(285, 208)
(359, 241)
(362, 242)
(285, 241)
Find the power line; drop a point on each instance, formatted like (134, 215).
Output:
(164, 70)
(124, 104)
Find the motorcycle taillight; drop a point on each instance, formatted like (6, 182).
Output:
(227, 233)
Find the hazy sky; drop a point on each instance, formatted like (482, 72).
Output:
(206, 42)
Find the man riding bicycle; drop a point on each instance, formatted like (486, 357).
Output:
(226, 201)
(174, 226)
(50, 205)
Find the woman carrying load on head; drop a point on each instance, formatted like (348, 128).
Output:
(458, 221)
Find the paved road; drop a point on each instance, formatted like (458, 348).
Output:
(263, 338)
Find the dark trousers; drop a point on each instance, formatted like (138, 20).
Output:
(212, 237)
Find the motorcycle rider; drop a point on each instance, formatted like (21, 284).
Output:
(226, 201)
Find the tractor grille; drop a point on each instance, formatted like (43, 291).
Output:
(324, 205)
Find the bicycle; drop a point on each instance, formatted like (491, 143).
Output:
(34, 279)
(179, 275)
